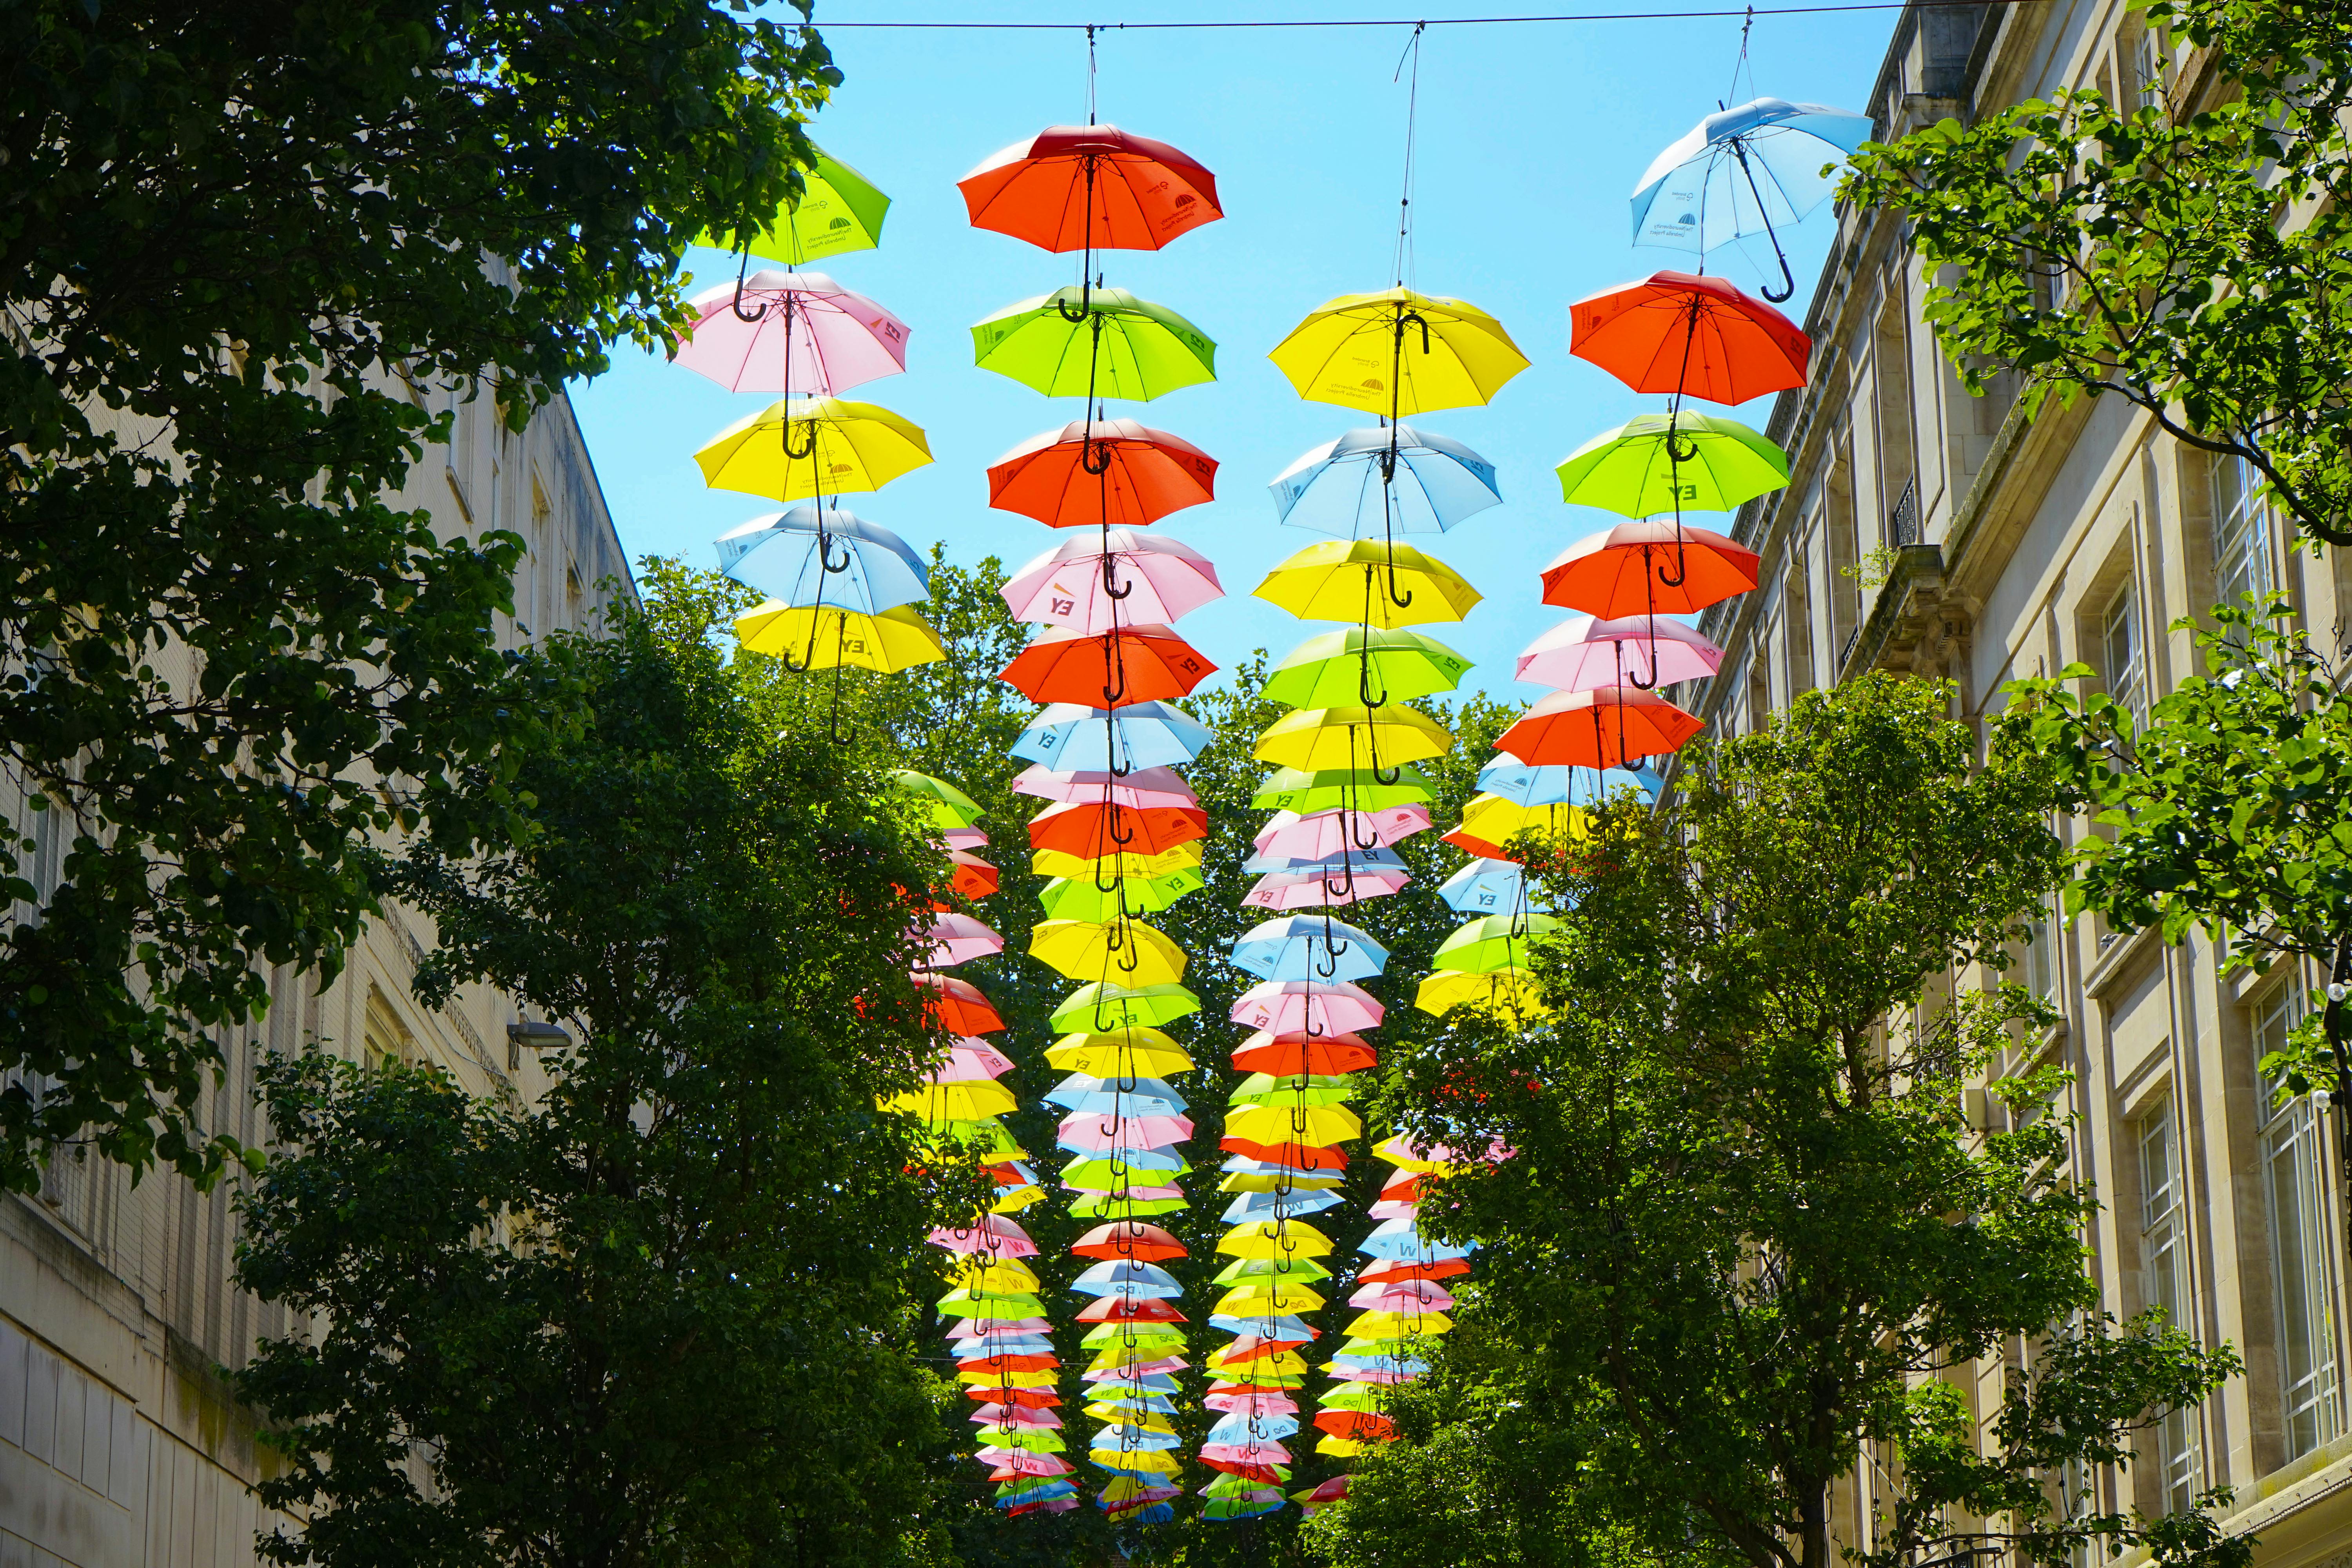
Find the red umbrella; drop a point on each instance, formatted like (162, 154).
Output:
(1090, 828)
(1289, 1152)
(1289, 1056)
(1649, 568)
(974, 876)
(1029, 1399)
(1610, 727)
(1111, 472)
(1090, 187)
(1701, 336)
(1362, 1425)
(957, 1006)
(1407, 1269)
(1117, 1309)
(1106, 670)
(1128, 1239)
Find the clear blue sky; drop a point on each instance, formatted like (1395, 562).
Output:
(1530, 140)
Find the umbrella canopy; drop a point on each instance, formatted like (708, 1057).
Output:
(1363, 665)
(1509, 993)
(1095, 342)
(948, 806)
(1744, 170)
(957, 1006)
(1599, 729)
(1126, 1238)
(967, 1101)
(1094, 1132)
(1327, 833)
(1322, 889)
(1090, 187)
(1491, 942)
(1489, 823)
(1432, 482)
(957, 939)
(1699, 337)
(1132, 664)
(1298, 1006)
(1125, 951)
(1586, 651)
(1112, 473)
(1132, 1053)
(1276, 1238)
(1687, 461)
(1103, 1007)
(1136, 1096)
(838, 210)
(806, 447)
(1350, 859)
(1368, 580)
(1142, 735)
(791, 332)
(1091, 827)
(990, 1234)
(1300, 947)
(1398, 353)
(1649, 568)
(1346, 737)
(1079, 898)
(971, 876)
(1143, 789)
(1331, 789)
(1515, 780)
(791, 555)
(1484, 886)
(1313, 1126)
(1126, 579)
(1130, 867)
(820, 637)
(970, 1060)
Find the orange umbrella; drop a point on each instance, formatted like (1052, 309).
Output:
(1115, 473)
(1289, 1056)
(1090, 187)
(1124, 1309)
(1289, 1151)
(1700, 337)
(974, 876)
(1092, 828)
(1608, 727)
(1106, 670)
(1128, 1239)
(1649, 568)
(958, 1006)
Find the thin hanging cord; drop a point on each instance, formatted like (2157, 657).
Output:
(1090, 73)
(1411, 56)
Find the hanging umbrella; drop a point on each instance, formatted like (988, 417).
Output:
(1398, 353)
(1127, 1096)
(1146, 1053)
(1142, 789)
(1079, 898)
(1126, 952)
(790, 555)
(1146, 1243)
(1504, 991)
(1432, 482)
(1366, 580)
(972, 877)
(1129, 579)
(1331, 789)
(959, 939)
(1649, 568)
(1103, 1007)
(1489, 823)
(1142, 735)
(1095, 473)
(1092, 827)
(1517, 782)
(1586, 651)
(1296, 1089)
(1323, 887)
(1098, 342)
(1342, 737)
(1299, 947)
(1600, 729)
(955, 1101)
(957, 1007)
(1658, 463)
(1286, 1006)
(948, 806)
(1363, 665)
(791, 332)
(1276, 1238)
(805, 447)
(1693, 336)
(823, 637)
(1328, 833)
(1086, 187)
(1132, 664)
(1491, 942)
(1092, 1133)
(970, 1059)
(1120, 867)
(838, 210)
(1484, 886)
(989, 1234)
(1752, 169)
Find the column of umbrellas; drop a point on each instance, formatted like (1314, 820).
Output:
(1119, 835)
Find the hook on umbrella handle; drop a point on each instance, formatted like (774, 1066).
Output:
(1321, 972)
(1112, 831)
(1364, 683)
(824, 554)
(797, 453)
(1412, 317)
(1096, 457)
(1636, 681)
(1400, 600)
(1787, 280)
(1680, 448)
(1373, 842)
(742, 270)
(1111, 590)
(1387, 775)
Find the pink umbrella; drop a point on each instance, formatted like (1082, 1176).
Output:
(997, 1328)
(1319, 1006)
(1311, 890)
(1252, 1405)
(1014, 1415)
(1264, 1453)
(806, 334)
(1144, 789)
(968, 1060)
(994, 1234)
(1147, 1194)
(1393, 1208)
(1402, 1296)
(1025, 1462)
(1065, 586)
(1327, 833)
(957, 939)
(1585, 653)
(964, 838)
(1095, 1132)
(1140, 1369)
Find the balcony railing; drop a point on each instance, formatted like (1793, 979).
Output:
(1903, 522)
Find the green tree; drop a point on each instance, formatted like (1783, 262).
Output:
(241, 250)
(2187, 248)
(1741, 1234)
(668, 1314)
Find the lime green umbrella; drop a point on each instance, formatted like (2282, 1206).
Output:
(1362, 663)
(1673, 462)
(1265, 1088)
(839, 210)
(1081, 899)
(1331, 789)
(989, 1304)
(1102, 1007)
(1115, 346)
(1491, 942)
(950, 806)
(1109, 1173)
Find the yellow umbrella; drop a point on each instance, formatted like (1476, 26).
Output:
(1350, 579)
(1504, 990)
(1496, 820)
(1132, 1053)
(1040, 1377)
(1018, 1198)
(1397, 1325)
(1276, 1238)
(819, 637)
(1126, 952)
(1143, 1420)
(964, 1101)
(1139, 867)
(1279, 1181)
(1158, 1462)
(1398, 353)
(1342, 1448)
(1002, 1276)
(1345, 738)
(805, 447)
(1316, 1126)
(1282, 1363)
(1246, 1300)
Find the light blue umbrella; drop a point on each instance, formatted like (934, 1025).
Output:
(1239, 1428)
(1396, 1239)
(1125, 1276)
(1336, 488)
(1278, 1206)
(1380, 858)
(1069, 737)
(810, 555)
(1130, 1438)
(1308, 947)
(1522, 784)
(1265, 1325)
(1147, 1097)
(1407, 1365)
(1484, 888)
(1134, 1156)
(1744, 170)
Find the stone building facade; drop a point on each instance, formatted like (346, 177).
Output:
(120, 1446)
(2014, 547)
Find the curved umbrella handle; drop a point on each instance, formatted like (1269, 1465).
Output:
(1111, 590)
(1354, 838)
(1321, 972)
(1096, 457)
(1364, 683)
(1387, 775)
(1787, 279)
(825, 554)
(1118, 881)
(742, 270)
(1401, 600)
(797, 453)
(1636, 681)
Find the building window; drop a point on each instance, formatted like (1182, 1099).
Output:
(2302, 1245)
(2242, 532)
(2164, 1267)
(2038, 971)
(2119, 652)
